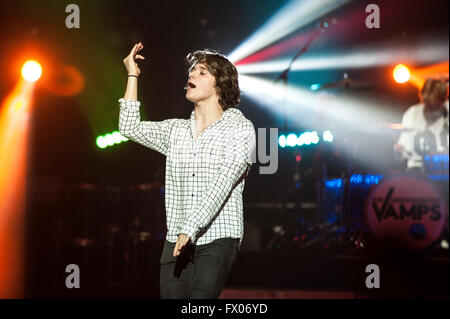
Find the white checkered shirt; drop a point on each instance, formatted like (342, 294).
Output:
(204, 177)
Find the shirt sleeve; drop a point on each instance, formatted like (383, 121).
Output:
(152, 134)
(238, 160)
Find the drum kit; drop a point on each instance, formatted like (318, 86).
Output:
(405, 210)
(409, 210)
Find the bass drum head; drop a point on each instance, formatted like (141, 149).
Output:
(406, 211)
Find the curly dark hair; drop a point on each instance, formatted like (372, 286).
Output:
(225, 73)
(433, 90)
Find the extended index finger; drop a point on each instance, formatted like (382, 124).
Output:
(133, 49)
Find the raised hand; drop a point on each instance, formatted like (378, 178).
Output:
(130, 61)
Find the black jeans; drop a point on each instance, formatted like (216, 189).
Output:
(199, 272)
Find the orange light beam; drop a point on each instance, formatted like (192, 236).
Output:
(14, 126)
(438, 70)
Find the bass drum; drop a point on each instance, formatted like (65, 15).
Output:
(406, 211)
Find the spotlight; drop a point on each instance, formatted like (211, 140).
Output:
(110, 139)
(301, 139)
(31, 71)
(15, 111)
(356, 58)
(314, 137)
(282, 141)
(365, 179)
(301, 104)
(291, 140)
(293, 16)
(335, 183)
(305, 138)
(401, 73)
(117, 137)
(327, 136)
(101, 143)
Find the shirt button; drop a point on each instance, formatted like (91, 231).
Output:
(192, 195)
(193, 174)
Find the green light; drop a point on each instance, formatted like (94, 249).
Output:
(101, 142)
(117, 137)
(110, 139)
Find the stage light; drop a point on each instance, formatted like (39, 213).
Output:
(359, 57)
(300, 140)
(293, 16)
(301, 107)
(31, 71)
(14, 127)
(314, 137)
(438, 71)
(335, 183)
(307, 138)
(327, 136)
(315, 87)
(110, 139)
(365, 179)
(273, 97)
(291, 140)
(117, 137)
(282, 141)
(401, 74)
(101, 143)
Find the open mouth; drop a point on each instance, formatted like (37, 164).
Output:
(190, 85)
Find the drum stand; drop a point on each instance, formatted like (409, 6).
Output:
(345, 218)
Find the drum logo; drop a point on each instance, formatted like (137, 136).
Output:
(406, 211)
(401, 208)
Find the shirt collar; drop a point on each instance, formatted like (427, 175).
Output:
(226, 115)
